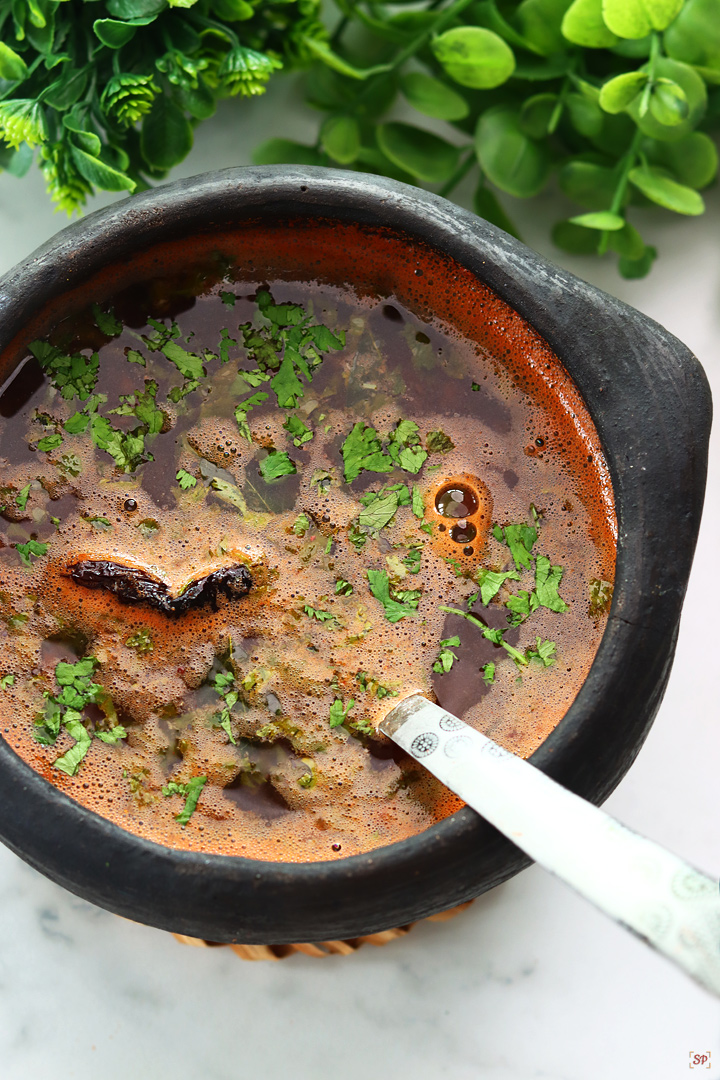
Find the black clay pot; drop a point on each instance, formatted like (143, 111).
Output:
(651, 405)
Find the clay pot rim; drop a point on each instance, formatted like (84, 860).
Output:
(639, 382)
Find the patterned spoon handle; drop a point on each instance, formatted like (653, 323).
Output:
(642, 886)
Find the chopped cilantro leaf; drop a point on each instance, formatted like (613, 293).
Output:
(301, 524)
(69, 762)
(192, 791)
(437, 442)
(418, 504)
(106, 322)
(33, 547)
(50, 442)
(522, 605)
(185, 479)
(379, 511)
(547, 581)
(426, 527)
(492, 633)
(339, 712)
(491, 581)
(299, 432)
(286, 384)
(362, 450)
(544, 652)
(6, 680)
(113, 736)
(413, 560)
(601, 593)
(446, 657)
(73, 376)
(135, 357)
(318, 613)
(489, 673)
(475, 386)
(244, 408)
(498, 533)
(398, 608)
(228, 298)
(188, 364)
(277, 464)
(76, 423)
(343, 587)
(21, 499)
(520, 540)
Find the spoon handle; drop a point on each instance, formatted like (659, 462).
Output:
(645, 888)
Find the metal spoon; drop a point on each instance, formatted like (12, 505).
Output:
(648, 890)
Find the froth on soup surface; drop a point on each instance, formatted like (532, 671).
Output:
(244, 477)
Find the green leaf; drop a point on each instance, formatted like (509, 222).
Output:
(638, 268)
(188, 364)
(601, 219)
(618, 93)
(106, 321)
(193, 790)
(418, 505)
(693, 159)
(511, 160)
(32, 548)
(547, 581)
(362, 450)
(166, 136)
(418, 152)
(395, 609)
(298, 430)
(536, 114)
(135, 9)
(380, 512)
(12, 66)
(592, 186)
(694, 88)
(50, 442)
(668, 102)
(486, 205)
(113, 33)
(520, 540)
(660, 189)
(491, 581)
(583, 24)
(637, 18)
(627, 242)
(286, 384)
(70, 762)
(185, 479)
(432, 97)
(473, 56)
(585, 115)
(285, 152)
(277, 464)
(540, 22)
(694, 36)
(340, 138)
(97, 172)
(113, 736)
(339, 712)
(21, 499)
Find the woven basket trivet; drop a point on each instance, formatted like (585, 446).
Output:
(318, 948)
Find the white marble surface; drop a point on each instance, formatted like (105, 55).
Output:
(530, 982)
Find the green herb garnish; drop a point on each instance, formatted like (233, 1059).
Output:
(191, 792)
(21, 499)
(491, 581)
(446, 657)
(73, 376)
(299, 432)
(7, 680)
(601, 593)
(32, 548)
(185, 479)
(547, 580)
(437, 442)
(50, 442)
(343, 587)
(317, 613)
(339, 712)
(403, 603)
(277, 464)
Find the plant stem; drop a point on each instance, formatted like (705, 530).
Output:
(628, 161)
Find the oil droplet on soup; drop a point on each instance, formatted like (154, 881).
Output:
(244, 512)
